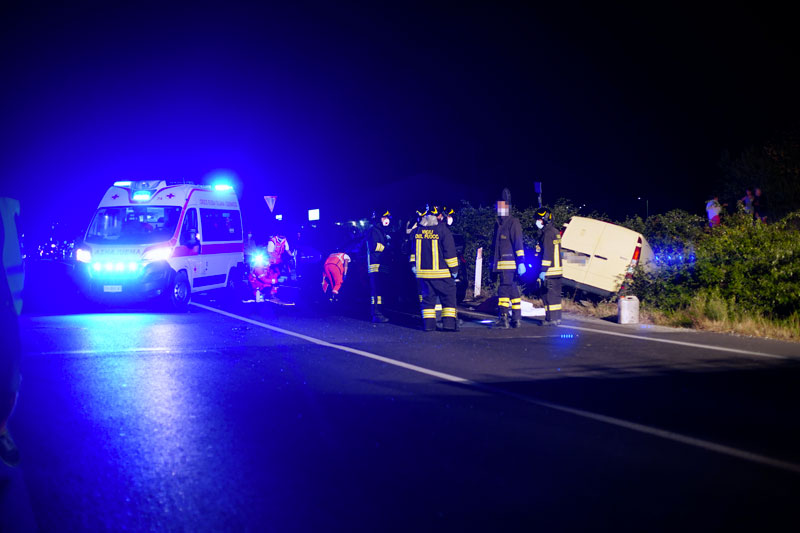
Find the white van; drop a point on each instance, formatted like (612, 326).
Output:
(597, 256)
(162, 238)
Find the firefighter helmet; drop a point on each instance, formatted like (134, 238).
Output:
(447, 211)
(544, 214)
(434, 210)
(421, 212)
(379, 214)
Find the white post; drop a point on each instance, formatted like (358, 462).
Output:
(478, 272)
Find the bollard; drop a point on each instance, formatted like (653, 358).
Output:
(628, 310)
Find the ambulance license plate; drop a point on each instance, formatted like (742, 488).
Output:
(112, 288)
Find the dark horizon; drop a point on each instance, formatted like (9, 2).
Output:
(322, 105)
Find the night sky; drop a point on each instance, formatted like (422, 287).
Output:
(338, 107)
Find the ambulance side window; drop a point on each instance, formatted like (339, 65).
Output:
(189, 228)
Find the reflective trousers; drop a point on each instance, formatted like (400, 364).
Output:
(445, 290)
(551, 296)
(508, 296)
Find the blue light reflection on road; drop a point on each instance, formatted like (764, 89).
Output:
(140, 396)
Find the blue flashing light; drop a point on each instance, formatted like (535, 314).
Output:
(97, 267)
(132, 267)
(258, 260)
(141, 196)
(109, 267)
(222, 187)
(122, 184)
(119, 267)
(278, 217)
(313, 214)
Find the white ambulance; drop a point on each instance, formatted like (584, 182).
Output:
(598, 256)
(162, 238)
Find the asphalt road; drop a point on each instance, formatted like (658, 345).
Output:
(262, 418)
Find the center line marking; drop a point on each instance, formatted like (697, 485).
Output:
(633, 426)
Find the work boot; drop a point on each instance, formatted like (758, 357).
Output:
(9, 452)
(516, 323)
(378, 318)
(501, 322)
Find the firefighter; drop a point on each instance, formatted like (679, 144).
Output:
(509, 262)
(377, 241)
(435, 265)
(550, 244)
(333, 273)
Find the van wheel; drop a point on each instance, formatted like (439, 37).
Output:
(180, 292)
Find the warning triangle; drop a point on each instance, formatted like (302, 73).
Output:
(270, 202)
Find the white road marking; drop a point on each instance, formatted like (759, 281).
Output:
(679, 343)
(633, 426)
(111, 350)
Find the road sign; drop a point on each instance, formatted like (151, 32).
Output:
(270, 202)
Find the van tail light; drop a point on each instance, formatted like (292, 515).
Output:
(637, 253)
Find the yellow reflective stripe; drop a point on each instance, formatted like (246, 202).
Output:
(433, 274)
(428, 313)
(449, 312)
(546, 263)
(452, 262)
(379, 300)
(553, 271)
(516, 306)
(379, 247)
(374, 267)
(503, 302)
(435, 256)
(520, 253)
(556, 255)
(420, 298)
(418, 254)
(372, 300)
(556, 307)
(438, 307)
(516, 300)
(506, 265)
(413, 258)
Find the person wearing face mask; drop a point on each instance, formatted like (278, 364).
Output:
(435, 265)
(377, 241)
(509, 262)
(550, 244)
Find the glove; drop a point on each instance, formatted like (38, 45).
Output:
(521, 269)
(414, 270)
(541, 276)
(454, 274)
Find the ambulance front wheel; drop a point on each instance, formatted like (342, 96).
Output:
(180, 292)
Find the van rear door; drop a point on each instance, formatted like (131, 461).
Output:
(612, 257)
(578, 244)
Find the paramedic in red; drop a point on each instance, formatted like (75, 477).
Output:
(276, 247)
(333, 273)
(509, 261)
(552, 270)
(435, 264)
(377, 241)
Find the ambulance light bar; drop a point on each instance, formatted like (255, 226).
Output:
(122, 184)
(142, 196)
(222, 187)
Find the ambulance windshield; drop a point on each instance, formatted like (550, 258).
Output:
(133, 224)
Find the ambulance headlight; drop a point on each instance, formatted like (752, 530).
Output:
(83, 256)
(158, 254)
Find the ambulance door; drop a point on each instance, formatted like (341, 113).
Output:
(187, 253)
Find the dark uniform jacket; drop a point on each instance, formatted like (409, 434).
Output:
(508, 250)
(376, 244)
(551, 252)
(434, 254)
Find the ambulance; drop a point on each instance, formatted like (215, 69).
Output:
(162, 239)
(598, 256)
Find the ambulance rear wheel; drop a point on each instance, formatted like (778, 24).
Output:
(180, 292)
